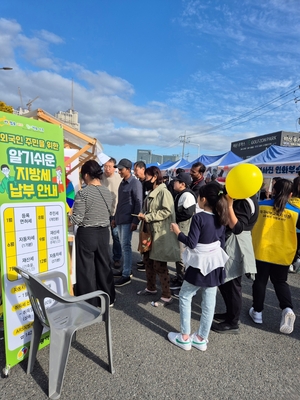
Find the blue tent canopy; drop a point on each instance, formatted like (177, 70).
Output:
(167, 164)
(206, 160)
(174, 164)
(154, 164)
(274, 155)
(226, 159)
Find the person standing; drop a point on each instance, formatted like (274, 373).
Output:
(112, 180)
(185, 207)
(275, 244)
(205, 259)
(159, 212)
(91, 212)
(170, 184)
(130, 198)
(139, 169)
(243, 215)
(196, 173)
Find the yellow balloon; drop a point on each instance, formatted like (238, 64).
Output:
(243, 181)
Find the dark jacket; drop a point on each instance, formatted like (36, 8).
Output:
(183, 214)
(195, 186)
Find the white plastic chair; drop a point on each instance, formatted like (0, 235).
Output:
(64, 317)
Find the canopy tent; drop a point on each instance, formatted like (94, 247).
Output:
(172, 168)
(154, 164)
(275, 161)
(167, 164)
(206, 160)
(87, 147)
(225, 159)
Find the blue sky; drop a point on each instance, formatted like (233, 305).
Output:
(147, 72)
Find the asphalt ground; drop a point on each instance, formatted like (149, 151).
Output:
(259, 363)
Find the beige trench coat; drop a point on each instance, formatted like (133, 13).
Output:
(159, 214)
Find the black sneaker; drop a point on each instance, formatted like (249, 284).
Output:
(175, 284)
(224, 327)
(141, 267)
(124, 280)
(140, 263)
(220, 317)
(117, 272)
(176, 292)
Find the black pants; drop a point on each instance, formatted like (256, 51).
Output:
(93, 271)
(232, 294)
(278, 275)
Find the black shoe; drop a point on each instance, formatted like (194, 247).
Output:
(224, 327)
(176, 292)
(124, 280)
(140, 263)
(141, 267)
(117, 272)
(175, 284)
(220, 317)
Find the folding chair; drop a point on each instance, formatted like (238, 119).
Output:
(64, 317)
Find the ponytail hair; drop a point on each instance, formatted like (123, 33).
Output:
(92, 168)
(282, 191)
(215, 196)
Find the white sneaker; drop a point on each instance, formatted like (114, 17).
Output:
(291, 268)
(256, 316)
(176, 338)
(287, 321)
(198, 344)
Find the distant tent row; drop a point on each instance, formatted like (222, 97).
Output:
(209, 161)
(274, 161)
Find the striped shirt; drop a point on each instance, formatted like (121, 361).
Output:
(91, 209)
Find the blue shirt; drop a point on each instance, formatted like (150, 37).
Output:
(130, 198)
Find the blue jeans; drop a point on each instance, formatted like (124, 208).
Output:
(116, 247)
(207, 305)
(125, 235)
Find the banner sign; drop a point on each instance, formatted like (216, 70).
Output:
(33, 224)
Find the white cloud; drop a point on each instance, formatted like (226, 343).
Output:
(274, 84)
(50, 37)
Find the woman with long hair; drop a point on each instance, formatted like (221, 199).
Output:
(204, 259)
(159, 213)
(91, 212)
(275, 243)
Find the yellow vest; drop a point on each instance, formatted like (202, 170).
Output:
(274, 236)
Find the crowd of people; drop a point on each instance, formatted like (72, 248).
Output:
(213, 239)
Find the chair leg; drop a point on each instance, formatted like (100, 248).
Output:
(34, 344)
(60, 342)
(109, 343)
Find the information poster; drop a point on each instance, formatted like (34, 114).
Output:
(32, 220)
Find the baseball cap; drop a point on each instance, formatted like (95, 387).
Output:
(183, 177)
(124, 163)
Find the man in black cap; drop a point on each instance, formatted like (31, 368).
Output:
(130, 198)
(185, 207)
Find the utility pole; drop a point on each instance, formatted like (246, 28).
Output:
(183, 139)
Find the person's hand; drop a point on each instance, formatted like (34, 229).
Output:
(229, 200)
(141, 216)
(133, 227)
(113, 223)
(174, 228)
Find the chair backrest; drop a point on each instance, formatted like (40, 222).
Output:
(38, 292)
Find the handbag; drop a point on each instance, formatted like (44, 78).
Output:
(145, 237)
